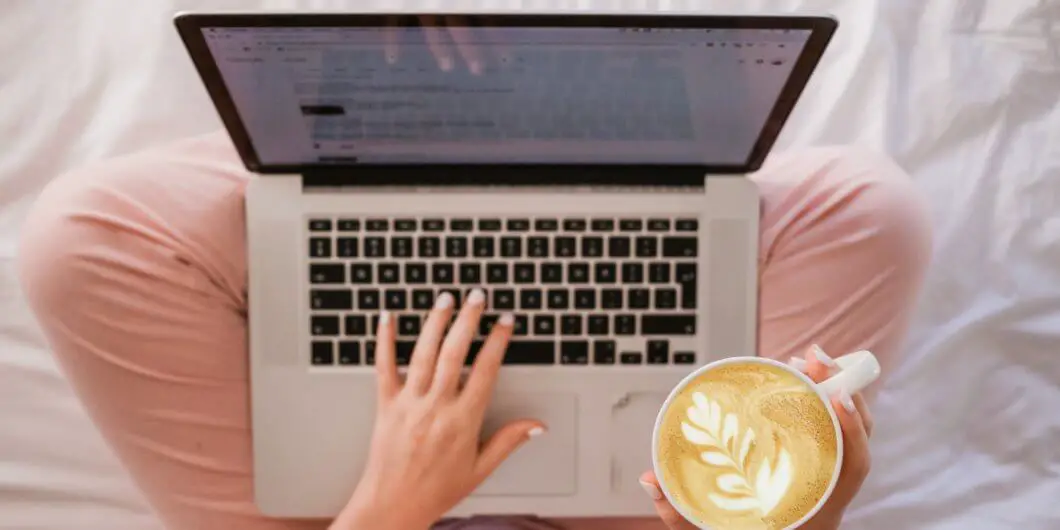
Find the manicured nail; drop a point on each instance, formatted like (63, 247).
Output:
(445, 63)
(535, 432)
(798, 363)
(384, 318)
(477, 297)
(445, 301)
(391, 58)
(823, 357)
(847, 401)
(506, 319)
(651, 490)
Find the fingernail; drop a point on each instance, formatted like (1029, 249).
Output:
(391, 59)
(477, 297)
(651, 490)
(797, 363)
(384, 318)
(445, 301)
(506, 319)
(535, 432)
(445, 63)
(823, 357)
(846, 401)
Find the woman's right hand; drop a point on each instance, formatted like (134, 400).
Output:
(425, 454)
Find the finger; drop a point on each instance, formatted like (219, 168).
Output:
(391, 40)
(863, 410)
(666, 511)
(462, 36)
(385, 364)
(856, 456)
(819, 366)
(436, 42)
(479, 388)
(503, 443)
(425, 354)
(455, 347)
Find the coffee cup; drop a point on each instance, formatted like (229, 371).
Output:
(748, 442)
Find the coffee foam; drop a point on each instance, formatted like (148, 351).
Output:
(747, 446)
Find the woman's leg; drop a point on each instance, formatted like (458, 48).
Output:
(136, 272)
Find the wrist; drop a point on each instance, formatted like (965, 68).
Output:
(366, 514)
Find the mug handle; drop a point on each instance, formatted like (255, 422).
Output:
(857, 371)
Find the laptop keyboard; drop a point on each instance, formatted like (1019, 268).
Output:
(575, 285)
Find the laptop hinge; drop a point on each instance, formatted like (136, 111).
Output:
(624, 176)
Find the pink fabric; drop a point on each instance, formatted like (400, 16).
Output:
(136, 270)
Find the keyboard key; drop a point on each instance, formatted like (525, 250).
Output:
(361, 273)
(518, 225)
(415, 273)
(619, 247)
(592, 247)
(331, 299)
(565, 247)
(666, 298)
(668, 324)
(485, 324)
(605, 273)
(546, 225)
(574, 225)
(349, 225)
(433, 225)
(430, 247)
(408, 325)
(348, 247)
(687, 225)
(320, 225)
(625, 325)
(403, 351)
(530, 299)
(320, 247)
(537, 247)
(631, 225)
(632, 358)
(574, 352)
(611, 298)
(349, 353)
(680, 247)
(599, 325)
(570, 325)
(639, 299)
(659, 273)
(389, 273)
(461, 225)
(470, 273)
(647, 247)
(511, 247)
(369, 352)
(323, 325)
(375, 323)
(686, 278)
(578, 272)
(455, 293)
(368, 299)
(405, 225)
(497, 273)
(604, 352)
(658, 225)
(658, 352)
(322, 353)
(585, 299)
(377, 225)
(396, 299)
(503, 299)
(551, 273)
(525, 273)
(544, 325)
(632, 273)
(442, 273)
(603, 225)
(521, 326)
(489, 225)
(374, 247)
(422, 299)
(558, 299)
(530, 352)
(401, 247)
(482, 247)
(456, 247)
(684, 357)
(327, 273)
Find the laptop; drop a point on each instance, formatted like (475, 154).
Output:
(587, 171)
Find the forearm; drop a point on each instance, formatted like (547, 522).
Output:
(361, 515)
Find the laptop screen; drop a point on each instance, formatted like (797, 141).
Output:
(318, 95)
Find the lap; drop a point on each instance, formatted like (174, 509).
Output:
(136, 270)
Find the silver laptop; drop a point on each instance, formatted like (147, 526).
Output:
(587, 171)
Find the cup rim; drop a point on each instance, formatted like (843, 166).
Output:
(734, 360)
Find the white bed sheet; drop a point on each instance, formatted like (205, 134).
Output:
(963, 93)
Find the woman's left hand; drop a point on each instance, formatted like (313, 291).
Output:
(856, 422)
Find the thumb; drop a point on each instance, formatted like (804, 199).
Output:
(666, 511)
(503, 443)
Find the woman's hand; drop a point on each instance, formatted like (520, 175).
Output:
(856, 422)
(425, 455)
(452, 41)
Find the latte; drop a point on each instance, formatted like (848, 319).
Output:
(747, 446)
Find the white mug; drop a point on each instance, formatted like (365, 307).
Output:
(857, 371)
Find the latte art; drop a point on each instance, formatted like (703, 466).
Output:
(747, 446)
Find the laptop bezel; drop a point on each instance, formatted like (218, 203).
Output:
(190, 25)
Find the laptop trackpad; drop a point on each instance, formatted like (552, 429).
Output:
(546, 465)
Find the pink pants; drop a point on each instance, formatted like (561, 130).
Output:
(136, 270)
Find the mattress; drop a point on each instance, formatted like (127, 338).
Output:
(964, 94)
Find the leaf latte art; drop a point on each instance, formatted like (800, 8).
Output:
(747, 446)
